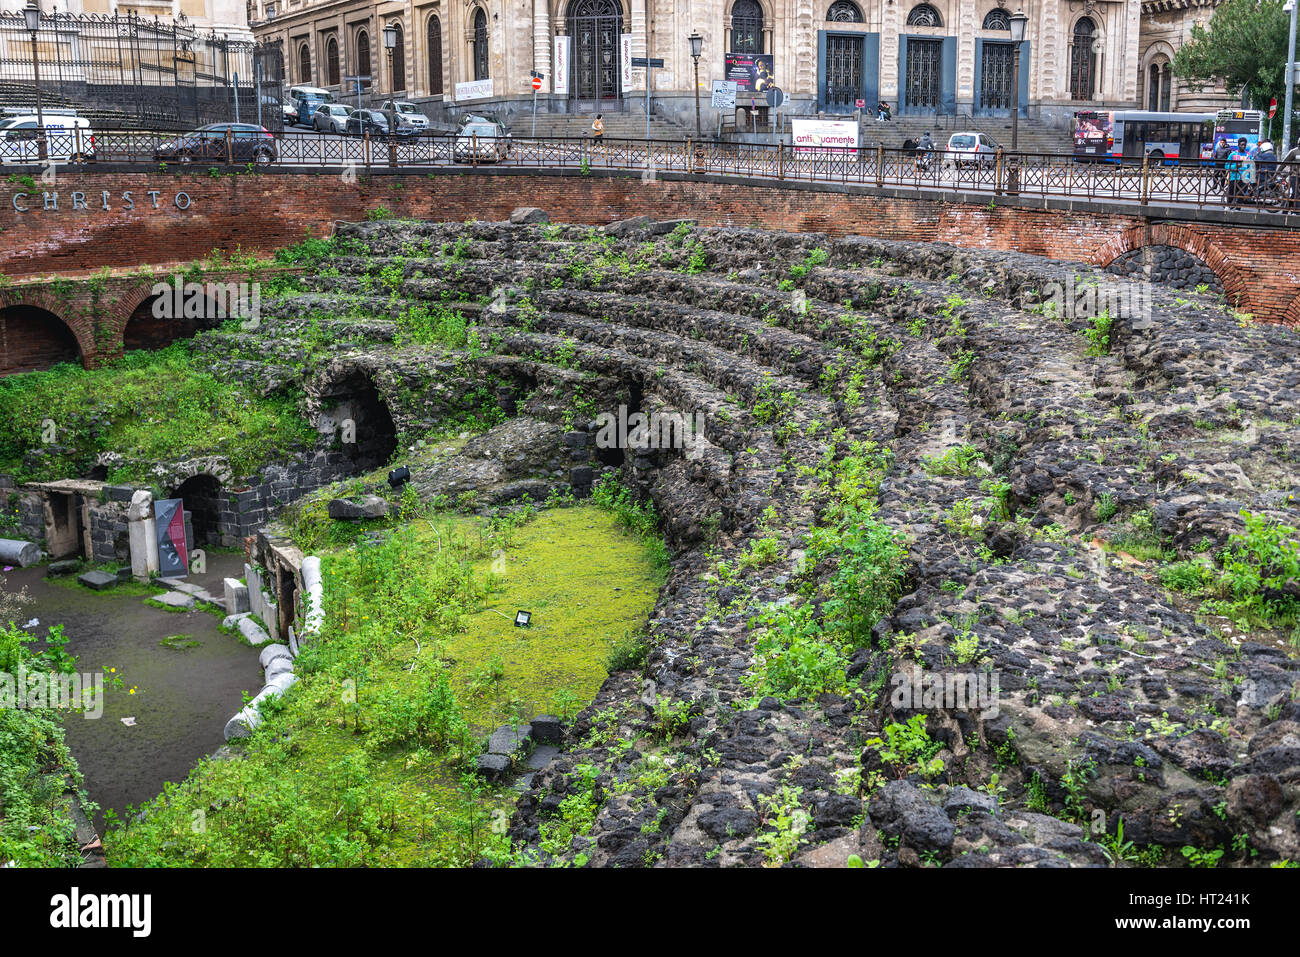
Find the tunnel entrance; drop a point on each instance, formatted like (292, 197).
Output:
(358, 415)
(202, 497)
(32, 339)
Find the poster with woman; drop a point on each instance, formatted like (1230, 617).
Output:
(751, 72)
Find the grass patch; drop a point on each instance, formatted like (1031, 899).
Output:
(146, 406)
(365, 761)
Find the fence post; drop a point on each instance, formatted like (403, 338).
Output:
(229, 150)
(365, 148)
(880, 164)
(780, 160)
(997, 182)
(690, 156)
(1146, 177)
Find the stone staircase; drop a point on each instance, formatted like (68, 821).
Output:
(618, 126)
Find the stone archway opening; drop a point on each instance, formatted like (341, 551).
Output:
(1170, 265)
(359, 417)
(201, 495)
(33, 339)
(144, 329)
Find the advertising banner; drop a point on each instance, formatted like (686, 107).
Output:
(173, 556)
(1092, 133)
(560, 78)
(473, 90)
(625, 59)
(752, 73)
(824, 137)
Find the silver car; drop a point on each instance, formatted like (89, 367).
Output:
(405, 117)
(331, 118)
(481, 142)
(971, 148)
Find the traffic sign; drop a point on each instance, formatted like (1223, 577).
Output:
(859, 103)
(775, 97)
(537, 83)
(724, 94)
(656, 62)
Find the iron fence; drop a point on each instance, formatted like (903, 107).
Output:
(128, 69)
(1200, 184)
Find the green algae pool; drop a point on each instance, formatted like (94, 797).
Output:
(346, 772)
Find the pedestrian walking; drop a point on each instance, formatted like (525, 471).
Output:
(598, 128)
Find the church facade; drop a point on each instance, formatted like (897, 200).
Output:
(833, 56)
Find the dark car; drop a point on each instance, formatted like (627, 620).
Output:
(373, 121)
(248, 144)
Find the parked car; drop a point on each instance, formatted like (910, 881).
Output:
(971, 148)
(68, 137)
(373, 121)
(248, 144)
(405, 114)
(484, 142)
(330, 118)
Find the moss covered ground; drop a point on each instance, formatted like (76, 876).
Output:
(366, 761)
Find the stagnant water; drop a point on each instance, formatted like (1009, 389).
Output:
(183, 697)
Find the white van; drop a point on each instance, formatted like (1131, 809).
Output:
(68, 137)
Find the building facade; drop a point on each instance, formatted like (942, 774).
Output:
(225, 18)
(936, 56)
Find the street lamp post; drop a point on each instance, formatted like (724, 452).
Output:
(697, 45)
(390, 44)
(1018, 22)
(32, 14)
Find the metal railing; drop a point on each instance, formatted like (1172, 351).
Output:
(1200, 184)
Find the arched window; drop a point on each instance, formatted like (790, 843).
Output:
(332, 62)
(1166, 84)
(746, 27)
(481, 61)
(997, 19)
(435, 56)
(844, 11)
(1083, 62)
(924, 15)
(304, 64)
(1153, 87)
(363, 53)
(397, 75)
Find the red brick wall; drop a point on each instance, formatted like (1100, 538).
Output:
(1260, 266)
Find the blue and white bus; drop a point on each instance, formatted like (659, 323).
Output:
(1133, 135)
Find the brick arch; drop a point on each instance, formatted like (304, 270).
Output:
(42, 298)
(1235, 287)
(129, 299)
(1292, 315)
